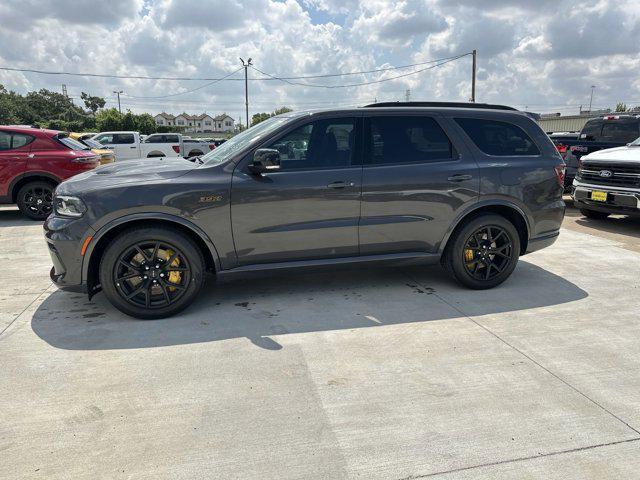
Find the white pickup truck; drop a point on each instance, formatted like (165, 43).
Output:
(129, 145)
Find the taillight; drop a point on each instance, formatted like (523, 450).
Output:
(176, 148)
(561, 148)
(559, 169)
(212, 146)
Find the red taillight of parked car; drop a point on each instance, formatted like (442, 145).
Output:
(176, 148)
(562, 149)
(212, 146)
(560, 169)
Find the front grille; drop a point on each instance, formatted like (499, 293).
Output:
(622, 175)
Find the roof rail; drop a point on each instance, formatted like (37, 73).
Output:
(486, 106)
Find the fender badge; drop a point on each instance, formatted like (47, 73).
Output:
(210, 199)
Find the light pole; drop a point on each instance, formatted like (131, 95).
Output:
(118, 92)
(474, 54)
(591, 99)
(246, 88)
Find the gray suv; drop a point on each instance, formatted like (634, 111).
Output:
(471, 186)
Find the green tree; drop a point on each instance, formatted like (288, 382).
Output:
(128, 121)
(145, 124)
(621, 107)
(91, 102)
(108, 119)
(281, 110)
(8, 114)
(259, 117)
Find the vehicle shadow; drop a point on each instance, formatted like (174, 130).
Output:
(260, 307)
(14, 218)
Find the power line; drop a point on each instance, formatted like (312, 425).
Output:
(192, 90)
(283, 79)
(207, 79)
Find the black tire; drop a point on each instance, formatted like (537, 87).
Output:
(472, 272)
(592, 214)
(162, 296)
(195, 153)
(35, 200)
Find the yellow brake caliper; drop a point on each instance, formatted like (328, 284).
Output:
(468, 255)
(174, 277)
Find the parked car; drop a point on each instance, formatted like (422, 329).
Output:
(129, 146)
(608, 181)
(473, 187)
(597, 134)
(132, 145)
(106, 155)
(33, 161)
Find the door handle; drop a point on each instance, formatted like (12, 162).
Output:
(132, 147)
(341, 184)
(459, 178)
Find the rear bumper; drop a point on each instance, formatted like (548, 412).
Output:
(623, 201)
(542, 241)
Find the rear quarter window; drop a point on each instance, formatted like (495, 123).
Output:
(501, 139)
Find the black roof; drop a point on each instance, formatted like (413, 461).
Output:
(486, 106)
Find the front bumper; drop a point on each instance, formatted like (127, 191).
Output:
(623, 201)
(65, 237)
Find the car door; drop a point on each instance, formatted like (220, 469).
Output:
(309, 208)
(414, 182)
(14, 154)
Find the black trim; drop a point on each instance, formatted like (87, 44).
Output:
(475, 106)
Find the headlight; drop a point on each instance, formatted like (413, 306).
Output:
(69, 206)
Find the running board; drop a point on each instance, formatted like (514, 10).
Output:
(394, 259)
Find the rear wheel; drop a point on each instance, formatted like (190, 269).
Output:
(484, 252)
(592, 214)
(35, 200)
(151, 272)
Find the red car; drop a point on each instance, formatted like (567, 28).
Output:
(33, 161)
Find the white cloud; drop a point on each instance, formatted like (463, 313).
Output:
(543, 57)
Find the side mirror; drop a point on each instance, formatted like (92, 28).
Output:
(265, 160)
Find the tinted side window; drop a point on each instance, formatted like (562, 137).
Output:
(498, 138)
(320, 144)
(20, 140)
(153, 139)
(591, 130)
(123, 138)
(106, 139)
(406, 139)
(620, 131)
(5, 141)
(171, 139)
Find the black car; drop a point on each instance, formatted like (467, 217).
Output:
(472, 186)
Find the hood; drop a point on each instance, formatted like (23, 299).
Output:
(142, 171)
(618, 154)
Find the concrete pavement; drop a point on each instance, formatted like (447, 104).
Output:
(368, 373)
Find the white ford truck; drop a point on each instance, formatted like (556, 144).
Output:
(129, 145)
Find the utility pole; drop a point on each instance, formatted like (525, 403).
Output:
(64, 90)
(407, 95)
(246, 88)
(591, 99)
(118, 92)
(473, 76)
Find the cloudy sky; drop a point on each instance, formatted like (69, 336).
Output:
(540, 54)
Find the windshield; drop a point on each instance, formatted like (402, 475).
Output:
(242, 140)
(72, 144)
(92, 143)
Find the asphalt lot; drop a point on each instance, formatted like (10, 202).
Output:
(368, 373)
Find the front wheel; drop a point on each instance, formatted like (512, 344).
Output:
(484, 252)
(35, 200)
(151, 272)
(592, 214)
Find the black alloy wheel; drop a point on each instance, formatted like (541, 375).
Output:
(35, 200)
(152, 274)
(487, 253)
(483, 252)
